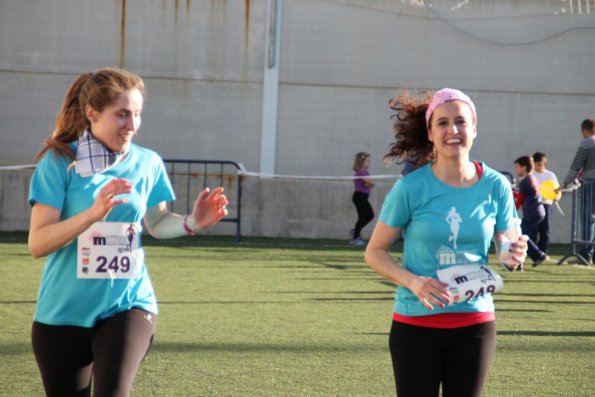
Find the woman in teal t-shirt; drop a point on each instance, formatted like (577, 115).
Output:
(96, 310)
(449, 208)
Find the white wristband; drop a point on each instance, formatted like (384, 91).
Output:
(191, 231)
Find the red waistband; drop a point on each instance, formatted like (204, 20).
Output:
(446, 320)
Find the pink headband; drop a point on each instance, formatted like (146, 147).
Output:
(445, 95)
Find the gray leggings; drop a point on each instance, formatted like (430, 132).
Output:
(110, 353)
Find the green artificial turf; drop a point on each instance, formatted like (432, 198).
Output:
(279, 317)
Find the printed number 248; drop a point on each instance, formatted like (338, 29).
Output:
(115, 265)
(470, 294)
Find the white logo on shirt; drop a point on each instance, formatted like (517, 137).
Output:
(453, 219)
(448, 257)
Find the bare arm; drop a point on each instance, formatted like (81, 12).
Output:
(428, 290)
(209, 208)
(47, 233)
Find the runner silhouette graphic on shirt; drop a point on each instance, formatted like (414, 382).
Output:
(453, 219)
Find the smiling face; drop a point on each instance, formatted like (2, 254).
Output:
(117, 124)
(452, 130)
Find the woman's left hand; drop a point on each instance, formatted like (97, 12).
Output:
(209, 208)
(517, 253)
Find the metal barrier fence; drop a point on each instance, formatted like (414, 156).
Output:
(583, 220)
(186, 176)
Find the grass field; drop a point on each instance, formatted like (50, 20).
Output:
(272, 317)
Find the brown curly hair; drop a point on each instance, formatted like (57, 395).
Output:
(411, 134)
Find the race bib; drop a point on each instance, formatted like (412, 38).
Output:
(109, 250)
(469, 281)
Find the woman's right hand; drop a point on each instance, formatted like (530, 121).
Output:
(106, 198)
(429, 291)
(48, 232)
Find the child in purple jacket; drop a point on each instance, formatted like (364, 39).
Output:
(362, 188)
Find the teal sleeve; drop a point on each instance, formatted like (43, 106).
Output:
(49, 182)
(396, 210)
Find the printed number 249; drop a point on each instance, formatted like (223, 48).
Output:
(115, 265)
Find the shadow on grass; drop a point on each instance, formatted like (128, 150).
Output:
(200, 256)
(343, 300)
(13, 349)
(335, 266)
(244, 302)
(329, 292)
(544, 295)
(18, 302)
(525, 301)
(548, 280)
(548, 333)
(288, 302)
(242, 347)
(238, 347)
(353, 277)
(253, 243)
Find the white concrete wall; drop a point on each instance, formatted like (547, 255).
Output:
(202, 62)
(527, 65)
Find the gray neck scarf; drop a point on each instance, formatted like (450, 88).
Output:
(93, 157)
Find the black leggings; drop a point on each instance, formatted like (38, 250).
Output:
(459, 358)
(365, 213)
(111, 352)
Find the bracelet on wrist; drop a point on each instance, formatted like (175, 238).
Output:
(189, 231)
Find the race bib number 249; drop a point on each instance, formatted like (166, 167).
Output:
(109, 250)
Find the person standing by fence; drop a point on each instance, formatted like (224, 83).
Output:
(96, 312)
(362, 188)
(542, 174)
(450, 208)
(583, 167)
(533, 210)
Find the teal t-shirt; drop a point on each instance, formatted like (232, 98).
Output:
(446, 226)
(64, 299)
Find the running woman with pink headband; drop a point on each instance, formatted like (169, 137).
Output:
(449, 209)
